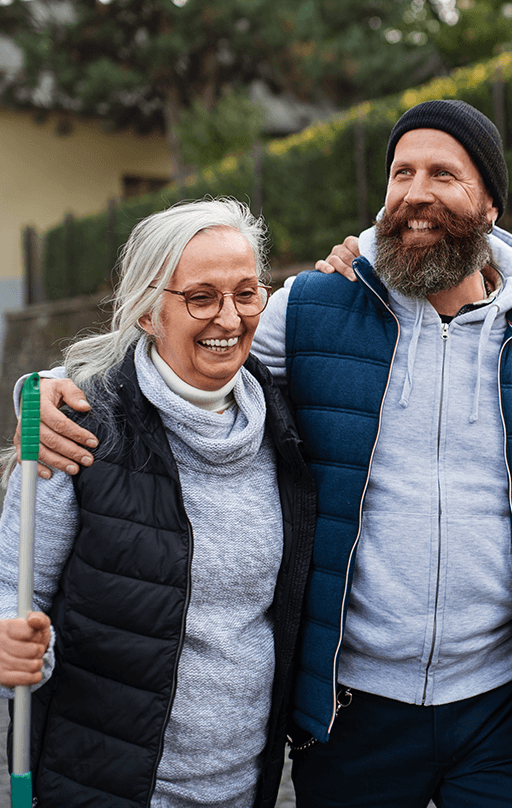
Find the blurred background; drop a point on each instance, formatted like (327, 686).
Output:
(110, 111)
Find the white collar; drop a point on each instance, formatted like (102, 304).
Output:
(213, 400)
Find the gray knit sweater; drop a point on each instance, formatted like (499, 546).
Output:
(217, 727)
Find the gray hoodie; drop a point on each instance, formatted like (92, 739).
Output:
(429, 618)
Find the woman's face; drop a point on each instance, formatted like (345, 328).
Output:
(221, 259)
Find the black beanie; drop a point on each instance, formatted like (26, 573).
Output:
(472, 129)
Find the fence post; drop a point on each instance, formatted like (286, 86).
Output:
(257, 184)
(69, 255)
(32, 265)
(111, 241)
(500, 114)
(361, 174)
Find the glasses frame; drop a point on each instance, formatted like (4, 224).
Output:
(221, 301)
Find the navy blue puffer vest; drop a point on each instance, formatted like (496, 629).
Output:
(341, 338)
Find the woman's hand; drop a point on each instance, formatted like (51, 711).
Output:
(60, 437)
(22, 646)
(340, 259)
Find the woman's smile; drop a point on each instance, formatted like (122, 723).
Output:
(207, 353)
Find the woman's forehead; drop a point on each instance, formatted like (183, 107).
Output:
(216, 253)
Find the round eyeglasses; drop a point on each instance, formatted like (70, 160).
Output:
(205, 304)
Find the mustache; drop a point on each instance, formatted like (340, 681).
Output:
(456, 226)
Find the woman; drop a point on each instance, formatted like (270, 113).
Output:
(173, 568)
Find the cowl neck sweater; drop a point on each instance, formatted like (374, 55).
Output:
(224, 443)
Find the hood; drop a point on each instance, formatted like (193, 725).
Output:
(421, 311)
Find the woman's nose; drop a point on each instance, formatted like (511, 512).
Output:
(228, 315)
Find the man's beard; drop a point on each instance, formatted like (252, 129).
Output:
(419, 270)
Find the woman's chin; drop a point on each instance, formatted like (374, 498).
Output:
(218, 368)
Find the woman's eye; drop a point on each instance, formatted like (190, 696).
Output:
(200, 299)
(246, 294)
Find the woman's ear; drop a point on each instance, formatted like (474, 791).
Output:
(146, 323)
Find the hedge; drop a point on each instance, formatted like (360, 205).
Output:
(311, 182)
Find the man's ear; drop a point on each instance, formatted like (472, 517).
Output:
(491, 211)
(146, 323)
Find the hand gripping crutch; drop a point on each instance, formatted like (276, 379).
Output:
(21, 778)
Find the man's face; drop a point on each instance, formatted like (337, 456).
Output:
(431, 168)
(437, 211)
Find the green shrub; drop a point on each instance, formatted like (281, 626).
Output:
(309, 183)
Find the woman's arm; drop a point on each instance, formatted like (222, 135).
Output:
(57, 522)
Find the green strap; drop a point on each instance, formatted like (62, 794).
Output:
(30, 399)
(21, 790)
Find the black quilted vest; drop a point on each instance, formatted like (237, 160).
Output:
(119, 615)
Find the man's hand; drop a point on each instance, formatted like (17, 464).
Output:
(22, 646)
(60, 437)
(340, 259)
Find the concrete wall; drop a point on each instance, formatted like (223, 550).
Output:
(34, 339)
(44, 175)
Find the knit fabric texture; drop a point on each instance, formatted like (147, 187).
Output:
(472, 129)
(218, 723)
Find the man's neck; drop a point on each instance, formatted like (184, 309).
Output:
(470, 290)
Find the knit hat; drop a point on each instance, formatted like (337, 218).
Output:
(472, 129)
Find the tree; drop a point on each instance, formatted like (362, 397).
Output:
(482, 29)
(151, 63)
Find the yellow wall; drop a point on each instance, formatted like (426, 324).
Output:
(43, 175)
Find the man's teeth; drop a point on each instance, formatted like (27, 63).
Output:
(414, 224)
(219, 344)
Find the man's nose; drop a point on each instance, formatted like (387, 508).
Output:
(228, 316)
(420, 190)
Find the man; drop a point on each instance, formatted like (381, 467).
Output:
(402, 385)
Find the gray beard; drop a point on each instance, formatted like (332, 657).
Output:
(417, 272)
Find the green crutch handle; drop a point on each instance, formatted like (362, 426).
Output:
(30, 411)
(21, 790)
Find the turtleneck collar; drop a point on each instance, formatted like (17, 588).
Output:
(212, 400)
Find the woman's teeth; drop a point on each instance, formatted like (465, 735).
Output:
(219, 344)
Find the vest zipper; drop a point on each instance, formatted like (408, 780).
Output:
(356, 541)
(175, 672)
(505, 455)
(444, 337)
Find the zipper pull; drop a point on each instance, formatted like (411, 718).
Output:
(444, 330)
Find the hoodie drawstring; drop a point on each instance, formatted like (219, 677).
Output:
(411, 355)
(482, 345)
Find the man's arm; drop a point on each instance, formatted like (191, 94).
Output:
(269, 343)
(61, 440)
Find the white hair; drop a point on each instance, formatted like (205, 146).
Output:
(150, 256)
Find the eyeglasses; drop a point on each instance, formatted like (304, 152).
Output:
(205, 304)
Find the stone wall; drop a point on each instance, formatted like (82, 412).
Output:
(34, 339)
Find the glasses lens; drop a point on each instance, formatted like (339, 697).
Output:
(203, 305)
(251, 301)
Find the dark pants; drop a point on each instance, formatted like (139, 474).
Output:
(384, 753)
